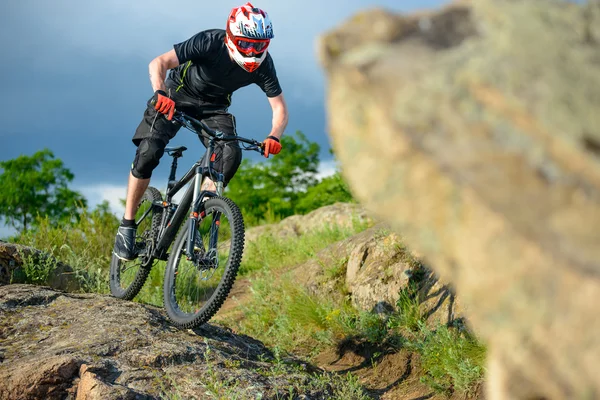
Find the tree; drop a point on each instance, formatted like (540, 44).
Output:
(329, 190)
(274, 186)
(37, 186)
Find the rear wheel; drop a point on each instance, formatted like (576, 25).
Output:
(128, 277)
(196, 285)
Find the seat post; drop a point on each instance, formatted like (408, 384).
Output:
(172, 182)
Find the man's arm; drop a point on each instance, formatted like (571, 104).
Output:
(158, 69)
(280, 115)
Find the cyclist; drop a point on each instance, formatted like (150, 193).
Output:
(204, 72)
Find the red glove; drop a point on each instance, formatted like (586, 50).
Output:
(272, 146)
(164, 104)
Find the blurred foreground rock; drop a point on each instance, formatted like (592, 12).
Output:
(475, 132)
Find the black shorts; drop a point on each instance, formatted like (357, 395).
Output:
(156, 127)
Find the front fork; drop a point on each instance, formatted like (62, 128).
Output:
(197, 214)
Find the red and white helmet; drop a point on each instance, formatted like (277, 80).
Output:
(249, 32)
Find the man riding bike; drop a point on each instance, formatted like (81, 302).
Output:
(205, 70)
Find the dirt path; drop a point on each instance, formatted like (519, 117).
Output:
(240, 294)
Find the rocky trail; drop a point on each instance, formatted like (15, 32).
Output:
(56, 345)
(60, 345)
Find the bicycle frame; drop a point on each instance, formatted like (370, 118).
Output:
(194, 196)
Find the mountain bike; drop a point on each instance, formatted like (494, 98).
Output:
(205, 229)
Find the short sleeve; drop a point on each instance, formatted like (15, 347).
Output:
(195, 48)
(267, 78)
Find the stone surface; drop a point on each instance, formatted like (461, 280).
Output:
(57, 345)
(478, 132)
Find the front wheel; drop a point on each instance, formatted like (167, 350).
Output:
(128, 277)
(196, 285)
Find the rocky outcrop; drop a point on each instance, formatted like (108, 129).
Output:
(56, 345)
(478, 132)
(17, 260)
(373, 268)
(335, 216)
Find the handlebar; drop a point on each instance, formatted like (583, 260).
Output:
(191, 123)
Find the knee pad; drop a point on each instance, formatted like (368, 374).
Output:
(147, 157)
(232, 158)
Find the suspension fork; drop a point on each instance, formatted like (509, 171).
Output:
(194, 214)
(216, 222)
(198, 211)
(197, 214)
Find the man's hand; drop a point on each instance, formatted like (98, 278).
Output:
(164, 104)
(272, 146)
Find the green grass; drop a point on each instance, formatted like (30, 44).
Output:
(408, 316)
(35, 270)
(452, 359)
(271, 251)
(85, 246)
(284, 315)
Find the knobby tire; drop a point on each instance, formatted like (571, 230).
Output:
(209, 309)
(151, 194)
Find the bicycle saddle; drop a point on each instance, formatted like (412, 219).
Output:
(175, 151)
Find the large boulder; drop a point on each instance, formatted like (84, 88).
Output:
(474, 131)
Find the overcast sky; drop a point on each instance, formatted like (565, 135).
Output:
(74, 76)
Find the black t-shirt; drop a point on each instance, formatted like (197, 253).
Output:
(207, 72)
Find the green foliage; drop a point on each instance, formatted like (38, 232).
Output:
(37, 186)
(286, 184)
(348, 387)
(285, 315)
(84, 244)
(328, 191)
(365, 325)
(270, 251)
(274, 186)
(281, 313)
(452, 358)
(408, 316)
(35, 270)
(152, 291)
